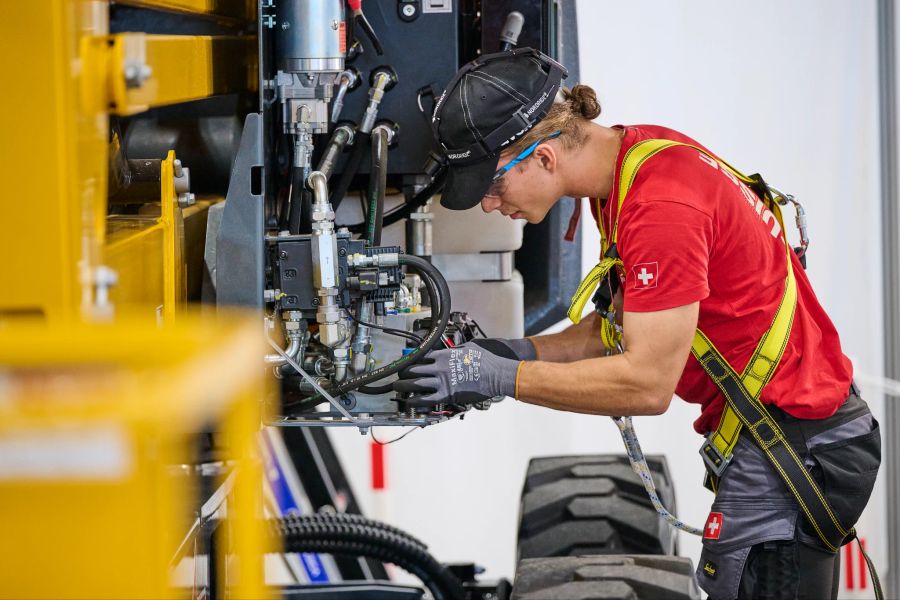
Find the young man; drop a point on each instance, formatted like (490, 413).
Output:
(695, 249)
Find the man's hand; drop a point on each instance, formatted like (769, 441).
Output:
(462, 375)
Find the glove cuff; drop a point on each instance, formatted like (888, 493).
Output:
(523, 347)
(507, 376)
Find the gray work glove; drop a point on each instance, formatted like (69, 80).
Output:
(518, 349)
(463, 375)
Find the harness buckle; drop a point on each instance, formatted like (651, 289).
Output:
(715, 461)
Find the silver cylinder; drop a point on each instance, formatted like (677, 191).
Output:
(419, 232)
(311, 35)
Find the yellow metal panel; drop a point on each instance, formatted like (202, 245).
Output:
(181, 68)
(233, 9)
(94, 421)
(53, 157)
(135, 252)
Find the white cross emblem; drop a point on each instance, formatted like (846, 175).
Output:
(713, 528)
(645, 277)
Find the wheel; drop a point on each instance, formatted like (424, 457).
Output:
(593, 504)
(624, 577)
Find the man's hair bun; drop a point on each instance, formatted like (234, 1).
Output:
(583, 100)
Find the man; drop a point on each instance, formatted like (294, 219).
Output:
(693, 246)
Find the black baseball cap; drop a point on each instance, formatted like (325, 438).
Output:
(490, 103)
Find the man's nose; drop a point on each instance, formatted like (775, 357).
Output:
(489, 203)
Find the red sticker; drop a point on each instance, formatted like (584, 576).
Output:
(713, 527)
(343, 33)
(646, 275)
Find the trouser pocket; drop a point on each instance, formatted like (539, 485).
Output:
(732, 529)
(846, 470)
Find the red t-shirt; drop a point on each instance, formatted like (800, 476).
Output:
(690, 232)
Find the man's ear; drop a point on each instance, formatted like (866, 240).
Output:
(547, 157)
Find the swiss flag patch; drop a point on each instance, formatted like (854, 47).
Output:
(713, 528)
(646, 275)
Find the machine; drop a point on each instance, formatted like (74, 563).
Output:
(267, 165)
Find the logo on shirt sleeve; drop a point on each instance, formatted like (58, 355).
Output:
(646, 275)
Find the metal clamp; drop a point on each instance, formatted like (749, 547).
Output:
(715, 461)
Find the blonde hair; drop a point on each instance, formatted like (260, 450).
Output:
(570, 116)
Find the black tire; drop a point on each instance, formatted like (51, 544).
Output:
(593, 504)
(606, 578)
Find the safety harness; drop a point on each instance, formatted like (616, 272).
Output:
(743, 410)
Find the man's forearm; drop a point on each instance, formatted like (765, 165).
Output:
(574, 343)
(601, 386)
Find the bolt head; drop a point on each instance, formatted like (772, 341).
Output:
(409, 10)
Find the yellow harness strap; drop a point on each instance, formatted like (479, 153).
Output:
(743, 410)
(765, 359)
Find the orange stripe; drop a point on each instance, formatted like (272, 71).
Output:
(518, 370)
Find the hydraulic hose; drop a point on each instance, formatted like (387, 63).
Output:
(342, 137)
(439, 292)
(369, 539)
(356, 519)
(437, 288)
(360, 144)
(377, 185)
(296, 200)
(402, 212)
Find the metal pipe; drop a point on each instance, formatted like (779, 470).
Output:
(325, 263)
(341, 138)
(293, 348)
(297, 334)
(890, 232)
(349, 79)
(362, 339)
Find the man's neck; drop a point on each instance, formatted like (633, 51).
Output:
(593, 165)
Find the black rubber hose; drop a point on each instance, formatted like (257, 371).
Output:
(360, 145)
(436, 305)
(301, 534)
(402, 212)
(295, 203)
(437, 288)
(377, 186)
(439, 292)
(356, 519)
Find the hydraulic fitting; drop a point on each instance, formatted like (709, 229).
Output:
(349, 80)
(382, 80)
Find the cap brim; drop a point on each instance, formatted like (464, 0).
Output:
(467, 184)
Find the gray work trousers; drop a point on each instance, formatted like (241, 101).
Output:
(757, 543)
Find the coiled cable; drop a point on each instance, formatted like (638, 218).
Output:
(367, 538)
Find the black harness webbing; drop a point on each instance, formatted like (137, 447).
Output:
(772, 441)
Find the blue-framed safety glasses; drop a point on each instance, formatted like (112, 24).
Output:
(523, 155)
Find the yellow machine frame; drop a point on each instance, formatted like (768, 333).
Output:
(106, 377)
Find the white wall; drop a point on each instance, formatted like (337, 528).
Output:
(784, 88)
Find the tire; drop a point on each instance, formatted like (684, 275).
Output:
(626, 577)
(593, 504)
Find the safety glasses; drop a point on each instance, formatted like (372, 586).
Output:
(497, 185)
